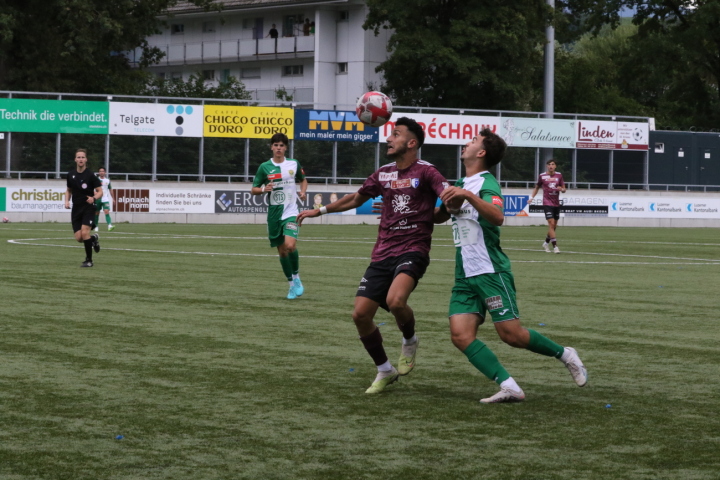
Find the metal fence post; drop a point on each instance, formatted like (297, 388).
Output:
(247, 160)
(377, 156)
(107, 152)
(334, 163)
(8, 149)
(574, 168)
(58, 143)
(611, 170)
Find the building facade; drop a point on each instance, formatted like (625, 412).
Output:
(321, 56)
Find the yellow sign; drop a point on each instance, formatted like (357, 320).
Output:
(247, 122)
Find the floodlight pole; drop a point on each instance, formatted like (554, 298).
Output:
(549, 90)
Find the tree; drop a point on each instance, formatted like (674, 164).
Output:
(196, 87)
(77, 46)
(672, 65)
(460, 53)
(591, 75)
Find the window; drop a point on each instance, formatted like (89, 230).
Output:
(250, 73)
(208, 74)
(342, 67)
(292, 71)
(343, 16)
(161, 75)
(292, 25)
(224, 75)
(177, 29)
(176, 75)
(208, 27)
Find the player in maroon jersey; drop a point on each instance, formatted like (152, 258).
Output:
(552, 184)
(409, 188)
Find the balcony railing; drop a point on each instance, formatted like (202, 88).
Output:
(229, 50)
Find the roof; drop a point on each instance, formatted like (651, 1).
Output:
(189, 7)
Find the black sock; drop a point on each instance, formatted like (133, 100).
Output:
(374, 345)
(88, 248)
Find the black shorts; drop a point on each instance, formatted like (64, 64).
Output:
(551, 212)
(378, 277)
(82, 215)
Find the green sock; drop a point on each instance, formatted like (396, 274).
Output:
(295, 262)
(97, 219)
(107, 218)
(287, 267)
(543, 345)
(485, 360)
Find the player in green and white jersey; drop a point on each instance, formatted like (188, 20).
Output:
(104, 203)
(483, 278)
(279, 178)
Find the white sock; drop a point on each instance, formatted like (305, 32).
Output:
(296, 275)
(511, 384)
(565, 356)
(291, 283)
(385, 367)
(407, 341)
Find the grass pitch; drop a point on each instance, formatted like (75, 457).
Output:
(178, 357)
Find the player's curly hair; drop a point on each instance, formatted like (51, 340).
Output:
(494, 147)
(413, 127)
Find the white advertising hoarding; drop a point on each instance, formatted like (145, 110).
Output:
(612, 135)
(538, 132)
(156, 119)
(35, 200)
(182, 201)
(445, 129)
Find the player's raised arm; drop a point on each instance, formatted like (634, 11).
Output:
(348, 202)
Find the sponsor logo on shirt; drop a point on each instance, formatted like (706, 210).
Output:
(493, 303)
(404, 183)
(274, 176)
(497, 201)
(278, 197)
(387, 176)
(401, 203)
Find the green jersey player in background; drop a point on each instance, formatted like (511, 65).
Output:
(105, 203)
(278, 178)
(483, 278)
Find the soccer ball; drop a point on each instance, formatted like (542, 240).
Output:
(374, 109)
(6, 220)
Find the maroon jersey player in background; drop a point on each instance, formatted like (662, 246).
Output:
(409, 188)
(552, 184)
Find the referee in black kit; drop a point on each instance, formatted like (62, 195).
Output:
(85, 188)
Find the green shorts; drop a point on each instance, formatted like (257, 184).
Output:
(490, 292)
(100, 205)
(279, 229)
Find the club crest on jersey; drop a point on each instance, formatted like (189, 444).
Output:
(84, 186)
(415, 182)
(291, 172)
(387, 176)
